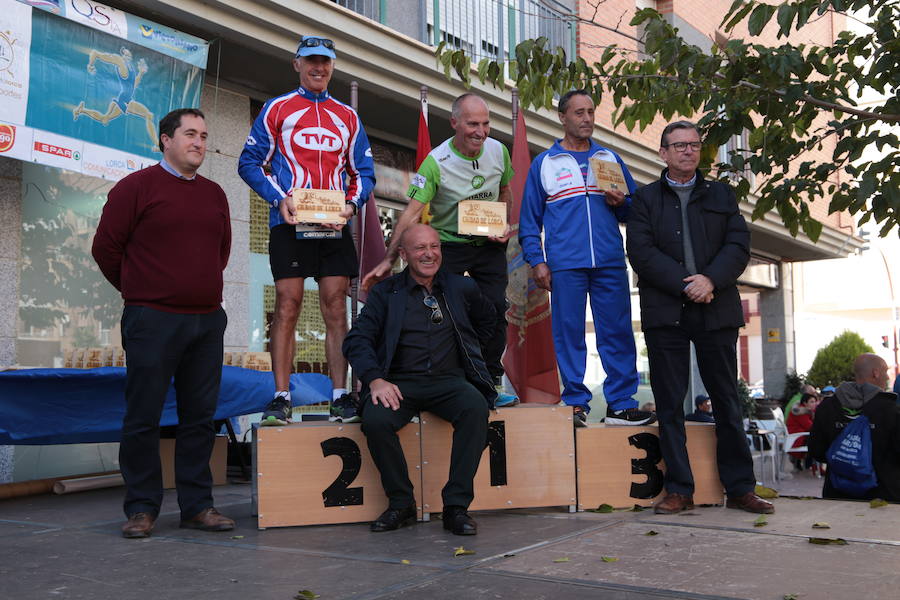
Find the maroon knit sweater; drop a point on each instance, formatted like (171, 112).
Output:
(164, 242)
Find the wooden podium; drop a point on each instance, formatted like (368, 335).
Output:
(319, 472)
(623, 466)
(528, 461)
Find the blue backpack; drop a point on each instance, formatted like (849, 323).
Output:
(849, 459)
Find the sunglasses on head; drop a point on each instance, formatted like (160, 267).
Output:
(313, 42)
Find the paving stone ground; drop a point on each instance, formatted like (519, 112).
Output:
(69, 547)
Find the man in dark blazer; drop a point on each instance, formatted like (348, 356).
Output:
(688, 243)
(417, 346)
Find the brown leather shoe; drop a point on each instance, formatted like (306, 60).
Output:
(139, 525)
(209, 519)
(751, 503)
(673, 503)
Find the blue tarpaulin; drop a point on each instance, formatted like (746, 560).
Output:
(71, 406)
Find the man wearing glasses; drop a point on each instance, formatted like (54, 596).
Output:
(307, 139)
(416, 347)
(688, 243)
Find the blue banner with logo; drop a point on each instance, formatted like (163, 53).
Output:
(101, 89)
(144, 32)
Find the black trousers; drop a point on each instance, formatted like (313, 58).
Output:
(487, 266)
(452, 398)
(159, 346)
(669, 352)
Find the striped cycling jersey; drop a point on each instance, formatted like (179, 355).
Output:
(308, 141)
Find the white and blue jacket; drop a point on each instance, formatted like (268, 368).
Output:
(580, 230)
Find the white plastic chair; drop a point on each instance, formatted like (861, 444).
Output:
(791, 445)
(762, 453)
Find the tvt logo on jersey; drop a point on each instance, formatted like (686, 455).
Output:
(318, 138)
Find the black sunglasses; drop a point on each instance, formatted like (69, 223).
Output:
(437, 317)
(312, 42)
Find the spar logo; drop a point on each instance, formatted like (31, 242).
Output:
(318, 138)
(57, 150)
(7, 136)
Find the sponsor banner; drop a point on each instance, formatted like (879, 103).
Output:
(106, 163)
(113, 21)
(166, 40)
(103, 89)
(15, 44)
(43, 147)
(15, 141)
(57, 150)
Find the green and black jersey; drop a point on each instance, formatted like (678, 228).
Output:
(447, 178)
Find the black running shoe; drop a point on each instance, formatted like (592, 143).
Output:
(579, 416)
(278, 412)
(629, 416)
(344, 410)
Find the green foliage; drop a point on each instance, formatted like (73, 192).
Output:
(833, 364)
(748, 404)
(788, 88)
(84, 338)
(793, 383)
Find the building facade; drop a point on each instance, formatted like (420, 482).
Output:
(52, 298)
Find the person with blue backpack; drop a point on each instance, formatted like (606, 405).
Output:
(857, 433)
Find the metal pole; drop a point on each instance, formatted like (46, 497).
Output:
(356, 230)
(887, 269)
(515, 111)
(423, 100)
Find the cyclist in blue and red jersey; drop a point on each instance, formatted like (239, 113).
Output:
(307, 139)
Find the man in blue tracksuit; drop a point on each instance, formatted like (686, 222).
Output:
(584, 257)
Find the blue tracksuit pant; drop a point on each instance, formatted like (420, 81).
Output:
(611, 308)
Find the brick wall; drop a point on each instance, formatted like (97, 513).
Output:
(705, 17)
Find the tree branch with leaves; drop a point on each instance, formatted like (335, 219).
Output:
(787, 100)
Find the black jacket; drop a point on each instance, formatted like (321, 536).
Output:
(370, 345)
(881, 409)
(721, 243)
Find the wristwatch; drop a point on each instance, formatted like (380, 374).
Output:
(353, 205)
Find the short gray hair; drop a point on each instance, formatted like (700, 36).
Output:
(456, 107)
(676, 125)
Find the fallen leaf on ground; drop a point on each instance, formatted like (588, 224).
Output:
(638, 508)
(765, 492)
(651, 532)
(821, 525)
(603, 508)
(306, 595)
(789, 597)
(760, 521)
(877, 503)
(609, 559)
(560, 560)
(508, 555)
(237, 537)
(828, 541)
(405, 562)
(462, 551)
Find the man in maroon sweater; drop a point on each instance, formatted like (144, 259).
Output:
(163, 241)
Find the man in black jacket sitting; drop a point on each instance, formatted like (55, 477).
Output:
(417, 346)
(688, 243)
